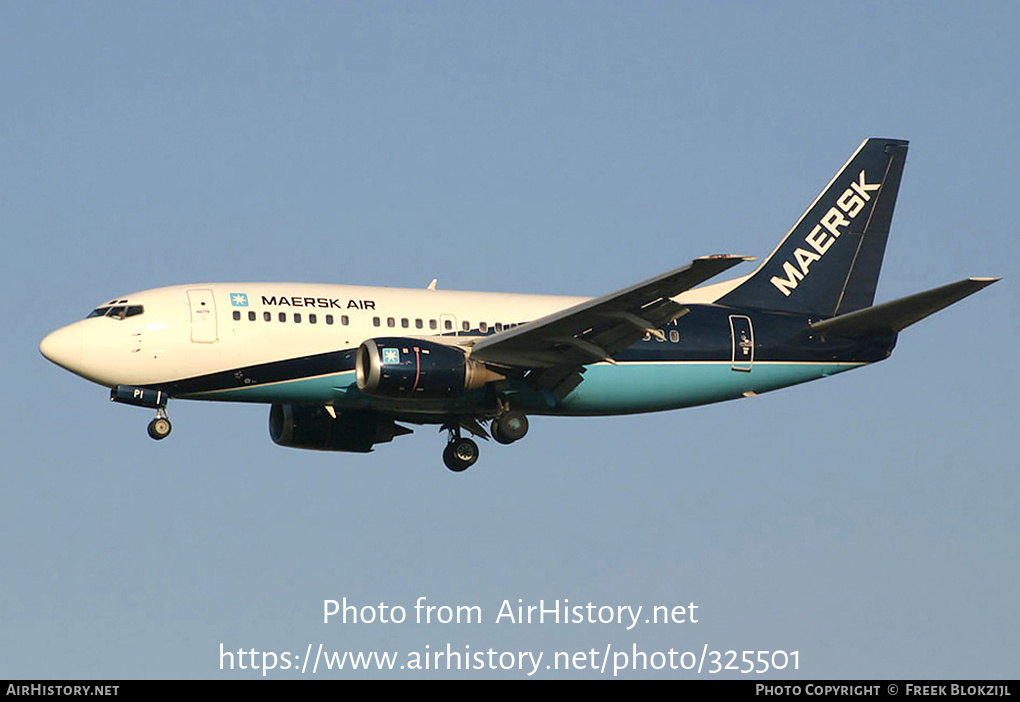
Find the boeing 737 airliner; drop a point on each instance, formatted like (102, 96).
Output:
(345, 367)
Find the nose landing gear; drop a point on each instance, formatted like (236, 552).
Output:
(159, 428)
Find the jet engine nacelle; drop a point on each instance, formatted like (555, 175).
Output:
(414, 368)
(313, 427)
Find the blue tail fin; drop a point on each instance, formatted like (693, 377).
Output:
(828, 264)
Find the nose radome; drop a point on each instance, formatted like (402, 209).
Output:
(63, 347)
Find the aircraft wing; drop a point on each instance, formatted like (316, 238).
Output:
(596, 329)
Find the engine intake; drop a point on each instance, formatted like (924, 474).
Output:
(312, 427)
(414, 368)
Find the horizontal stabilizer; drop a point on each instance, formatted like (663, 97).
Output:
(900, 314)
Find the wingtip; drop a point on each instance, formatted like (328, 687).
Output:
(716, 257)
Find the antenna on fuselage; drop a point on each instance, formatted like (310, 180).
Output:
(432, 285)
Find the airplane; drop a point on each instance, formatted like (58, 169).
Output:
(344, 368)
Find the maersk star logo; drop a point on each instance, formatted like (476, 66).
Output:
(239, 299)
(390, 356)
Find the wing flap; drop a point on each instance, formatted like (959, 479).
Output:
(594, 330)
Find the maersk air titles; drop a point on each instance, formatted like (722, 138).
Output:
(344, 368)
(329, 303)
(822, 236)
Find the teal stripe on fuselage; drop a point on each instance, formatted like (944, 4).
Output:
(606, 389)
(647, 387)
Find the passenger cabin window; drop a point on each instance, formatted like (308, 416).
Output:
(268, 316)
(447, 325)
(283, 316)
(418, 324)
(432, 324)
(297, 318)
(329, 319)
(251, 315)
(344, 320)
(237, 315)
(312, 319)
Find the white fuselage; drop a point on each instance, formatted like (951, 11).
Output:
(191, 330)
(296, 343)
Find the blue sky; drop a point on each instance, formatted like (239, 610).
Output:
(869, 521)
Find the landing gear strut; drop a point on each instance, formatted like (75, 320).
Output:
(159, 428)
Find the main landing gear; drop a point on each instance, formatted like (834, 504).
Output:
(509, 427)
(159, 428)
(461, 453)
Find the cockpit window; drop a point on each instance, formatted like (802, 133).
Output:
(116, 311)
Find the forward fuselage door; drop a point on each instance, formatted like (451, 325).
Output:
(203, 316)
(742, 335)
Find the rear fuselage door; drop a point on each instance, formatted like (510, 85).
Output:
(203, 316)
(742, 335)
